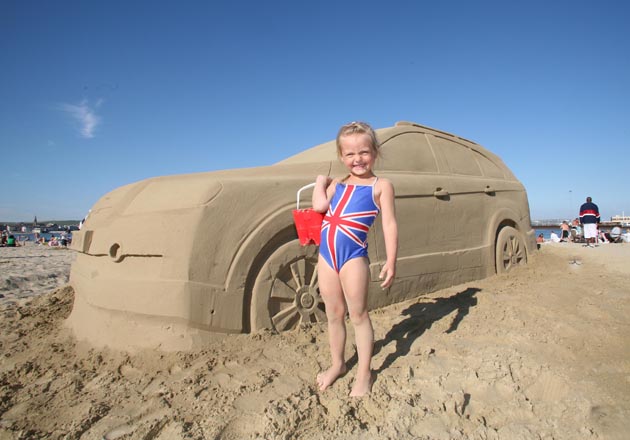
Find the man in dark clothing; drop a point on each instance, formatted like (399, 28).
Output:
(589, 218)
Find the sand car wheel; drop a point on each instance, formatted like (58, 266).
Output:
(285, 293)
(510, 251)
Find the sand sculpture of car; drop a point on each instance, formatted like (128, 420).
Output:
(170, 261)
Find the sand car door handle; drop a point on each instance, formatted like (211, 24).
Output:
(440, 192)
(489, 190)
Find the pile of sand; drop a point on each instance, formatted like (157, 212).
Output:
(541, 353)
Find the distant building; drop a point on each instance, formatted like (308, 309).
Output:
(548, 222)
(624, 220)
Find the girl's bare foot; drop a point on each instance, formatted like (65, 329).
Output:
(362, 385)
(326, 378)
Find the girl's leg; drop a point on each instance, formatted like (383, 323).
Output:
(354, 279)
(332, 294)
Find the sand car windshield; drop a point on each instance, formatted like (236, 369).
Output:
(320, 153)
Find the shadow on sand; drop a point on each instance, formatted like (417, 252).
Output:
(420, 317)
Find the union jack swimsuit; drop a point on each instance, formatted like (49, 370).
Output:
(345, 227)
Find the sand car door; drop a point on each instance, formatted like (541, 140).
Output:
(408, 160)
(471, 196)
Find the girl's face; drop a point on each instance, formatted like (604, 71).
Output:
(357, 154)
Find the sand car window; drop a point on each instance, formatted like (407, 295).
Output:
(489, 168)
(460, 159)
(407, 152)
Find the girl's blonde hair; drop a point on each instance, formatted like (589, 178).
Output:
(357, 127)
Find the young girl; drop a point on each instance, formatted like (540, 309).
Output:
(351, 205)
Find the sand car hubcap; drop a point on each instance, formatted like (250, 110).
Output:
(510, 251)
(285, 293)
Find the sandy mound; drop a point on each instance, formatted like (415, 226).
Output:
(541, 353)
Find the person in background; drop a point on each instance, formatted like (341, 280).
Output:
(540, 238)
(553, 237)
(589, 218)
(575, 226)
(12, 242)
(564, 230)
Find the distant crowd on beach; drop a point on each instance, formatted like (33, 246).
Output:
(586, 230)
(10, 240)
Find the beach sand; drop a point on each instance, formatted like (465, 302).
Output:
(540, 353)
(32, 270)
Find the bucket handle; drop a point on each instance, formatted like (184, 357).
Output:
(310, 185)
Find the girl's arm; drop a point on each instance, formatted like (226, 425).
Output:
(322, 193)
(390, 232)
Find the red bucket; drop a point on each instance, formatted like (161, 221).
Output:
(308, 223)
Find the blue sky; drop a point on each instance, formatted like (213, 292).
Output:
(95, 95)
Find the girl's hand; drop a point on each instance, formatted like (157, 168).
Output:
(388, 272)
(322, 180)
(321, 198)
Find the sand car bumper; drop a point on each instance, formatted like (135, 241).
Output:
(135, 291)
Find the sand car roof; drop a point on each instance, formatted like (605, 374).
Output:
(328, 151)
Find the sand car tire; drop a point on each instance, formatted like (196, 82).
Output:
(285, 292)
(510, 250)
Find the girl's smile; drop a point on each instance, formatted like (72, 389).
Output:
(357, 154)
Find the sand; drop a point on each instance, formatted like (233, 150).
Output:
(32, 270)
(540, 353)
